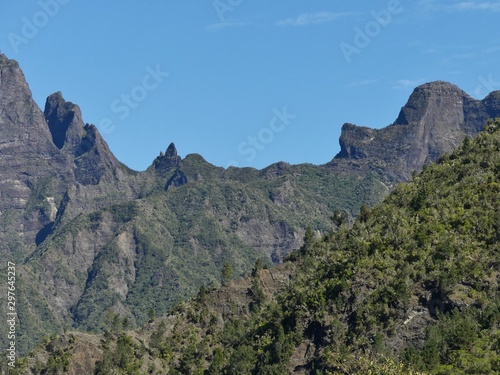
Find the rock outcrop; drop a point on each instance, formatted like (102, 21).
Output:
(435, 120)
(166, 161)
(95, 236)
(29, 161)
(51, 163)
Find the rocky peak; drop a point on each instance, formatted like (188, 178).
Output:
(167, 161)
(92, 157)
(435, 120)
(430, 99)
(29, 162)
(352, 139)
(65, 122)
(22, 124)
(171, 153)
(492, 104)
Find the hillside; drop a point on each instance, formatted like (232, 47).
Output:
(92, 238)
(412, 284)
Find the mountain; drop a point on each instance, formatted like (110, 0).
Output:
(53, 166)
(435, 120)
(93, 238)
(411, 286)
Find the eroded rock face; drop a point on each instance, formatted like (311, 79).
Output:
(435, 120)
(21, 121)
(65, 122)
(28, 162)
(89, 226)
(45, 157)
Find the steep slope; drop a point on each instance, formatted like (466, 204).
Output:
(52, 169)
(90, 226)
(435, 120)
(91, 237)
(27, 159)
(156, 251)
(415, 280)
(49, 165)
(99, 179)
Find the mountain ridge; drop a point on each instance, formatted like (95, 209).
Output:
(435, 120)
(412, 287)
(91, 236)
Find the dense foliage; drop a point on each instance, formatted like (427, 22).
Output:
(411, 287)
(158, 250)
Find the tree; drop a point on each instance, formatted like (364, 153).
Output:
(202, 294)
(126, 323)
(259, 297)
(227, 273)
(339, 217)
(257, 267)
(116, 325)
(308, 240)
(217, 365)
(364, 213)
(151, 315)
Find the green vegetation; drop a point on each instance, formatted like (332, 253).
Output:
(227, 273)
(151, 253)
(124, 358)
(43, 188)
(410, 287)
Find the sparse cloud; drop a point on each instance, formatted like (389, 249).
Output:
(461, 6)
(407, 84)
(430, 50)
(306, 19)
(362, 83)
(458, 58)
(226, 25)
(493, 49)
(472, 5)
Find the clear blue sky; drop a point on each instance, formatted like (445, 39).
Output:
(234, 66)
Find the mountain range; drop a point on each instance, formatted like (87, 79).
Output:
(410, 288)
(93, 239)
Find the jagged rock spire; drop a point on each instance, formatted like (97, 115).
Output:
(65, 122)
(168, 161)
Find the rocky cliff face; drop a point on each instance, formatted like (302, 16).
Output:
(28, 162)
(435, 120)
(94, 236)
(50, 163)
(65, 123)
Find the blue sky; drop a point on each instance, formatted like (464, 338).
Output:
(246, 82)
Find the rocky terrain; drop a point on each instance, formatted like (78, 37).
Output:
(434, 121)
(93, 238)
(411, 287)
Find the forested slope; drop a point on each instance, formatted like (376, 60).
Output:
(411, 286)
